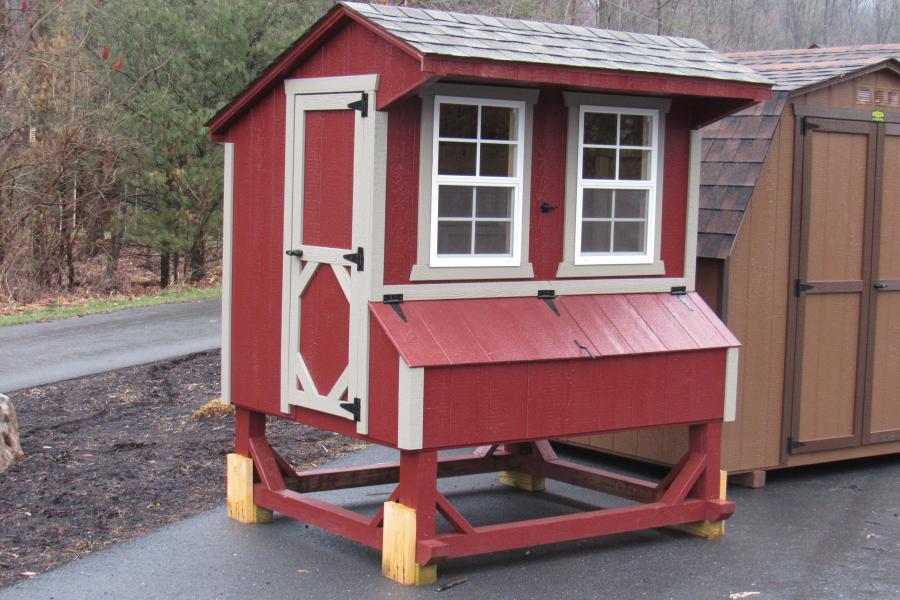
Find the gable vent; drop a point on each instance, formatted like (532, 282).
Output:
(870, 96)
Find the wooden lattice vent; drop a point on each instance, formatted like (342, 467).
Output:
(877, 96)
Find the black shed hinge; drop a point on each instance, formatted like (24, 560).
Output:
(549, 296)
(394, 301)
(678, 290)
(356, 258)
(800, 287)
(353, 408)
(793, 444)
(362, 105)
(806, 126)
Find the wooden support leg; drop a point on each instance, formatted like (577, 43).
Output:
(241, 507)
(751, 479)
(713, 482)
(411, 520)
(519, 479)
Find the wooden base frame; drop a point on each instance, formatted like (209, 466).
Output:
(405, 528)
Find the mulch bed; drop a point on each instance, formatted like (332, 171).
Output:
(113, 456)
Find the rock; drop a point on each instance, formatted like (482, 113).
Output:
(10, 450)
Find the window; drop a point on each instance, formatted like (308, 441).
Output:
(616, 185)
(477, 174)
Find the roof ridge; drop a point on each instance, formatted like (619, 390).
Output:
(819, 50)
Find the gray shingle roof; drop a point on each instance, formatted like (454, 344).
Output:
(795, 69)
(436, 32)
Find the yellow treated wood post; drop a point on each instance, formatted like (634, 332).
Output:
(398, 549)
(523, 481)
(240, 492)
(708, 530)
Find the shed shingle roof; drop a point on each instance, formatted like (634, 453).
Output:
(795, 69)
(436, 32)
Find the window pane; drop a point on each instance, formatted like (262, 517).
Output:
(492, 237)
(600, 128)
(597, 203)
(456, 158)
(631, 204)
(498, 123)
(634, 164)
(595, 236)
(498, 160)
(635, 130)
(455, 201)
(599, 163)
(494, 202)
(629, 236)
(454, 237)
(458, 120)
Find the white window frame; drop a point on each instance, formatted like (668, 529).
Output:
(516, 183)
(648, 185)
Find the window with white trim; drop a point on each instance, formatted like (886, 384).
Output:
(616, 189)
(477, 174)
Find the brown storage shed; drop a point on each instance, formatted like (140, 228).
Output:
(799, 252)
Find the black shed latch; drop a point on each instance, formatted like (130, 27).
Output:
(394, 301)
(800, 287)
(353, 408)
(356, 258)
(362, 105)
(808, 126)
(549, 296)
(793, 444)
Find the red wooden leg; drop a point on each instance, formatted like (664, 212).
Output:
(418, 489)
(247, 424)
(706, 439)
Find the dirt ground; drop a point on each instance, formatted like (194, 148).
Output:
(110, 457)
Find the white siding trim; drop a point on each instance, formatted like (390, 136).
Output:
(693, 209)
(731, 383)
(410, 407)
(506, 289)
(227, 243)
(331, 85)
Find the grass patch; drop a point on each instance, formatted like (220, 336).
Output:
(108, 305)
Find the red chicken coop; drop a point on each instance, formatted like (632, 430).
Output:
(445, 230)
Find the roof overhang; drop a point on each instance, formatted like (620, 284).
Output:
(726, 96)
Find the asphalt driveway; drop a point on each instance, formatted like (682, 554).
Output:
(818, 532)
(42, 353)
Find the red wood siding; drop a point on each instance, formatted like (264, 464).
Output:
(472, 405)
(384, 366)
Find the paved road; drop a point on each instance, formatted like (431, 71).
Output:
(823, 532)
(42, 353)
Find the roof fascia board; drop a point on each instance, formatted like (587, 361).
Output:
(309, 41)
(891, 64)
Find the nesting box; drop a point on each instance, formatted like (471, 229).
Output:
(447, 230)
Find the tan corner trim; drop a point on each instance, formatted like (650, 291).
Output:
(731, 382)
(426, 273)
(509, 289)
(528, 95)
(410, 407)
(693, 209)
(227, 244)
(576, 99)
(570, 270)
(328, 85)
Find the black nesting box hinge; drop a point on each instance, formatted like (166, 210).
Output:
(362, 105)
(808, 126)
(352, 407)
(356, 258)
(394, 301)
(793, 444)
(549, 296)
(678, 290)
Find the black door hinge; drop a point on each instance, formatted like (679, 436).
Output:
(793, 444)
(353, 408)
(808, 126)
(549, 296)
(394, 301)
(678, 290)
(356, 258)
(800, 287)
(362, 105)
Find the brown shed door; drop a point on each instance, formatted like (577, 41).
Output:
(833, 284)
(883, 413)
